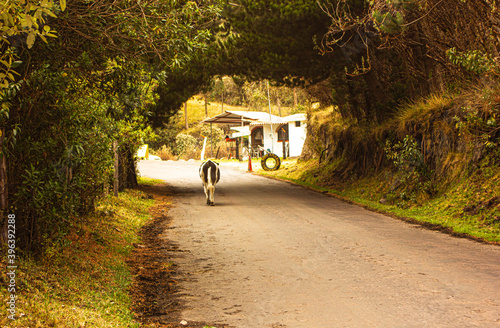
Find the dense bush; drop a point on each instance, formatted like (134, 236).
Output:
(61, 159)
(60, 154)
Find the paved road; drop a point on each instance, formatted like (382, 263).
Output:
(271, 254)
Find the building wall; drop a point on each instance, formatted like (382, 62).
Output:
(270, 142)
(296, 135)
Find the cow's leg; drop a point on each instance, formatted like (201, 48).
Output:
(206, 191)
(211, 192)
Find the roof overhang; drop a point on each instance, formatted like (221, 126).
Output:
(230, 118)
(244, 118)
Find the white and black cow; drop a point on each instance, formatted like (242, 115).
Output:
(210, 175)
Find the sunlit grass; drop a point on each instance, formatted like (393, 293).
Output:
(445, 210)
(422, 110)
(197, 113)
(82, 281)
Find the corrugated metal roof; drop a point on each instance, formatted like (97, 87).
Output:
(247, 117)
(295, 117)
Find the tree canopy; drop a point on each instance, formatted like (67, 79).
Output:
(95, 82)
(76, 76)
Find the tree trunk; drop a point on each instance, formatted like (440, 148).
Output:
(116, 180)
(131, 171)
(222, 95)
(206, 104)
(127, 170)
(3, 174)
(376, 96)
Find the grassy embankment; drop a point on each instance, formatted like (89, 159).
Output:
(445, 210)
(84, 281)
(458, 188)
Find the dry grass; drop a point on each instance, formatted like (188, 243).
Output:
(196, 110)
(421, 112)
(165, 153)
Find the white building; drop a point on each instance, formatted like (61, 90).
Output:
(270, 132)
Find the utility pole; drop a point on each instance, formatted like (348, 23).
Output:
(270, 118)
(222, 80)
(186, 114)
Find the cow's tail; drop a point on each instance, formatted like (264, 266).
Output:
(211, 184)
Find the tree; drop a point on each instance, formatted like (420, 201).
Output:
(276, 40)
(22, 22)
(94, 83)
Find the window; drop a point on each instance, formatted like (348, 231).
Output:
(283, 132)
(257, 136)
(297, 124)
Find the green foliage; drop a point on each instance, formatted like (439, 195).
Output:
(23, 20)
(101, 81)
(482, 125)
(390, 23)
(61, 160)
(214, 135)
(185, 143)
(405, 155)
(163, 136)
(414, 175)
(275, 40)
(476, 61)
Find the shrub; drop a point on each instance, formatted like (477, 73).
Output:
(413, 173)
(185, 143)
(165, 153)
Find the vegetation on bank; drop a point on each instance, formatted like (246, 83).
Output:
(84, 279)
(468, 208)
(437, 161)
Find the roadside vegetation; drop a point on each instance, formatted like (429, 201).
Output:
(468, 208)
(84, 279)
(436, 162)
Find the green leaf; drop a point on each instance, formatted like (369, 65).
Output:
(31, 39)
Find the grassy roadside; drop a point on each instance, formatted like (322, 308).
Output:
(84, 280)
(469, 208)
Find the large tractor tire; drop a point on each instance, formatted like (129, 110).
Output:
(270, 162)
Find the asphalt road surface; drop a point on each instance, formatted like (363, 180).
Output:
(272, 254)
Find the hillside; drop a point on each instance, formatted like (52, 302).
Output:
(175, 141)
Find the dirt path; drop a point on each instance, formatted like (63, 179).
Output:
(271, 254)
